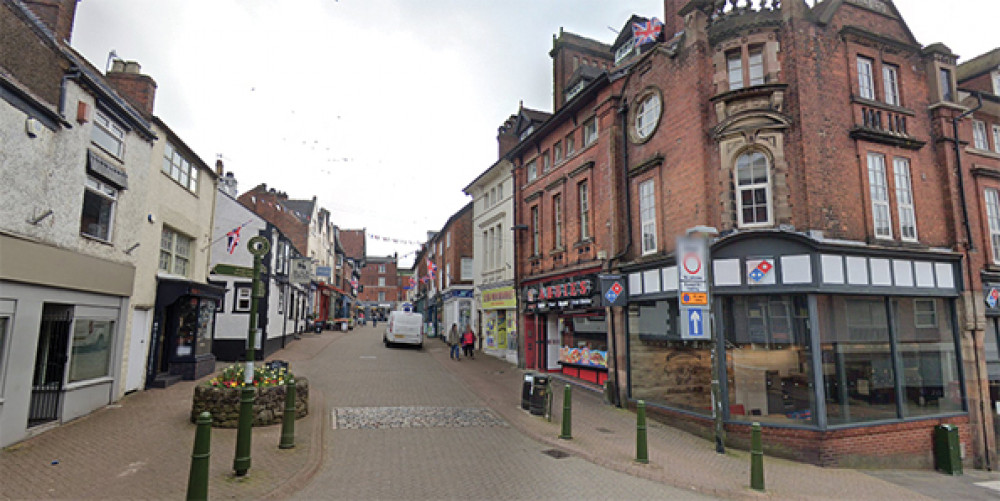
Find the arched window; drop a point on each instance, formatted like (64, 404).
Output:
(753, 189)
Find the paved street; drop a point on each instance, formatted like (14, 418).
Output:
(402, 426)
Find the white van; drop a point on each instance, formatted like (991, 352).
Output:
(404, 327)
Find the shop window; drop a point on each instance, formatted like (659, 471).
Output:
(753, 188)
(926, 347)
(858, 376)
(97, 215)
(666, 369)
(583, 341)
(769, 359)
(196, 318)
(243, 298)
(91, 349)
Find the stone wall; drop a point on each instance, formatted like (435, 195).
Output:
(268, 404)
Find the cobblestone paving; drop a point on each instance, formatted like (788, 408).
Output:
(414, 417)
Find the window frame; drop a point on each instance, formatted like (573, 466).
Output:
(178, 168)
(242, 291)
(890, 84)
(173, 252)
(878, 192)
(536, 232)
(557, 152)
(996, 138)
(647, 217)
(905, 210)
(755, 60)
(107, 193)
(979, 140)
(110, 129)
(991, 198)
(866, 77)
(557, 222)
(591, 131)
(752, 187)
(647, 116)
(583, 198)
(734, 69)
(531, 171)
(570, 143)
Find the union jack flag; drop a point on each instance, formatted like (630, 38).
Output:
(431, 269)
(413, 281)
(234, 239)
(645, 32)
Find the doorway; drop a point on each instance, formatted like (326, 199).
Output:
(138, 350)
(50, 364)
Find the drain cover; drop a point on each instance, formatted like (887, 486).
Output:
(556, 453)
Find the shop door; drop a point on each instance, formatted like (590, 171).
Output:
(138, 350)
(552, 340)
(50, 364)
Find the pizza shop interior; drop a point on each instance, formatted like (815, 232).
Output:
(879, 358)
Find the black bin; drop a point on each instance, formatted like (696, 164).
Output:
(947, 452)
(526, 390)
(539, 391)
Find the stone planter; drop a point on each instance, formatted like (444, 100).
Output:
(268, 404)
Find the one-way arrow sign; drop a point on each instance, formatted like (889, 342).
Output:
(694, 324)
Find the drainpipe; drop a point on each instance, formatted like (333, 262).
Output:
(969, 246)
(73, 72)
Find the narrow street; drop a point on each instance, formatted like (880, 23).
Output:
(443, 443)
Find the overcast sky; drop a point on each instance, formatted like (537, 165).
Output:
(382, 109)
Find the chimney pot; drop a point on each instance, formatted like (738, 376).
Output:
(132, 67)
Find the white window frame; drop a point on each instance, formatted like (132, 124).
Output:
(753, 187)
(532, 171)
(107, 192)
(381, 281)
(879, 193)
(979, 141)
(447, 274)
(536, 231)
(996, 138)
(907, 215)
(381, 296)
(570, 142)
(557, 152)
(557, 221)
(182, 171)
(992, 198)
(647, 217)
(590, 131)
(583, 193)
(499, 247)
(996, 83)
(243, 292)
(546, 161)
(106, 128)
(381, 268)
(647, 116)
(486, 250)
(169, 246)
(890, 83)
(866, 78)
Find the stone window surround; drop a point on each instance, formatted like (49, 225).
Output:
(771, 144)
(641, 96)
(770, 46)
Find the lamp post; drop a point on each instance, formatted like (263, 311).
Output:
(258, 246)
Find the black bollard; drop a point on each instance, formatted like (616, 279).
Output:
(198, 477)
(288, 421)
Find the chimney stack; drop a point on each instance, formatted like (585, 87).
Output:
(138, 89)
(672, 20)
(57, 15)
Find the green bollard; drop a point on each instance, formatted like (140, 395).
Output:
(756, 459)
(641, 455)
(567, 414)
(198, 477)
(288, 421)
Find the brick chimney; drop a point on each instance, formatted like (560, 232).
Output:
(58, 15)
(138, 89)
(672, 20)
(506, 139)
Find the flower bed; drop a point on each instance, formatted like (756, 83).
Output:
(223, 402)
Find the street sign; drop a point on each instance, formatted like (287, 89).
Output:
(694, 299)
(694, 322)
(692, 264)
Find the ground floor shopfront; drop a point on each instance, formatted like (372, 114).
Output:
(565, 328)
(498, 320)
(825, 345)
(63, 324)
(182, 331)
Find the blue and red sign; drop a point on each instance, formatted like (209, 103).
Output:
(993, 297)
(758, 273)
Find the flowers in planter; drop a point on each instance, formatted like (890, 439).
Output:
(263, 376)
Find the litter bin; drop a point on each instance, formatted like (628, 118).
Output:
(947, 453)
(539, 392)
(526, 390)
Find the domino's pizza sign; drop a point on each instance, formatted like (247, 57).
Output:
(992, 297)
(759, 271)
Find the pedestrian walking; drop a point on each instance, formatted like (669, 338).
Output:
(469, 342)
(453, 341)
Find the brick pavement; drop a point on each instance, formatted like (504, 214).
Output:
(140, 448)
(605, 435)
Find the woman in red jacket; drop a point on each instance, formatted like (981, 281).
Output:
(468, 342)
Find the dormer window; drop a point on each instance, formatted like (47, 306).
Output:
(624, 51)
(527, 132)
(575, 89)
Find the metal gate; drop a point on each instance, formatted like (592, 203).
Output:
(50, 364)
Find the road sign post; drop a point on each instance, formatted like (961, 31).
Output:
(259, 246)
(694, 296)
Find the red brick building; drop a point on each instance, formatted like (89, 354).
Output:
(379, 285)
(444, 271)
(815, 140)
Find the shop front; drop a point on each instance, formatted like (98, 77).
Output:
(456, 308)
(565, 328)
(499, 322)
(991, 296)
(183, 329)
(850, 355)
